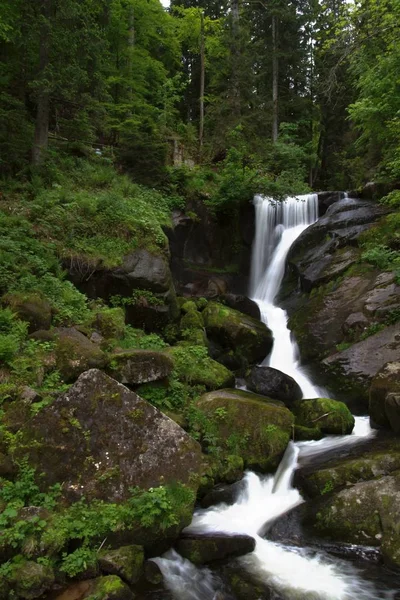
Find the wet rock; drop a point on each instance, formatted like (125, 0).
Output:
(355, 323)
(109, 587)
(305, 434)
(152, 572)
(355, 367)
(139, 366)
(326, 199)
(31, 580)
(243, 304)
(126, 562)
(254, 427)
(32, 308)
(382, 299)
(367, 513)
(329, 416)
(274, 384)
(75, 353)
(194, 366)
(243, 585)
(223, 494)
(384, 408)
(378, 459)
(201, 549)
(101, 439)
(235, 331)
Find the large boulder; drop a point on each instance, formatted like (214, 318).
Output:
(201, 549)
(237, 332)
(75, 353)
(380, 457)
(134, 367)
(329, 416)
(109, 587)
(352, 370)
(193, 365)
(100, 439)
(127, 562)
(254, 427)
(384, 408)
(275, 384)
(31, 580)
(367, 513)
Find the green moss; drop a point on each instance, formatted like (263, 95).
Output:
(330, 416)
(192, 320)
(193, 365)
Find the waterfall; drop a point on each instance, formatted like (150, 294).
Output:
(292, 573)
(278, 225)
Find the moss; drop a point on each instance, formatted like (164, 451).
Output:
(330, 416)
(302, 433)
(126, 562)
(250, 426)
(192, 320)
(193, 366)
(110, 587)
(188, 306)
(30, 580)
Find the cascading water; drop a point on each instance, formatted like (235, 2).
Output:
(292, 572)
(278, 225)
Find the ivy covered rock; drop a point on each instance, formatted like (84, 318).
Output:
(274, 384)
(201, 549)
(32, 308)
(75, 353)
(100, 439)
(384, 397)
(135, 367)
(367, 513)
(237, 332)
(126, 562)
(109, 587)
(254, 427)
(329, 416)
(193, 365)
(31, 580)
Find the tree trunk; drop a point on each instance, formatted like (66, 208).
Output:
(41, 138)
(236, 57)
(202, 81)
(275, 67)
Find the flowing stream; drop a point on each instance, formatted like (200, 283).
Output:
(292, 573)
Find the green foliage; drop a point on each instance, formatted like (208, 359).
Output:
(380, 256)
(136, 338)
(78, 561)
(12, 333)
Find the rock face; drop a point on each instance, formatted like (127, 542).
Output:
(134, 367)
(314, 255)
(274, 384)
(75, 353)
(355, 367)
(203, 549)
(101, 439)
(384, 397)
(237, 333)
(127, 562)
(254, 427)
(329, 416)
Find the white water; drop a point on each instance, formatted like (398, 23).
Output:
(295, 573)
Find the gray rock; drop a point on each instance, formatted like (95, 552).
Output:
(275, 384)
(201, 549)
(101, 439)
(139, 366)
(383, 397)
(75, 353)
(144, 270)
(355, 323)
(361, 362)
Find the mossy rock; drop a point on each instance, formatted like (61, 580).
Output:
(32, 308)
(227, 468)
(192, 320)
(383, 412)
(188, 306)
(193, 337)
(31, 580)
(238, 332)
(366, 513)
(350, 471)
(135, 367)
(192, 365)
(305, 434)
(110, 322)
(76, 354)
(126, 562)
(329, 416)
(243, 585)
(109, 587)
(254, 427)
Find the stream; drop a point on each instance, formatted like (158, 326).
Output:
(289, 572)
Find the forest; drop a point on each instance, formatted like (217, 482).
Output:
(199, 299)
